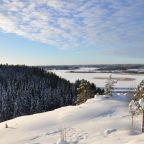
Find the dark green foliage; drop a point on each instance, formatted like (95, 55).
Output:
(28, 90)
(139, 92)
(85, 91)
(100, 91)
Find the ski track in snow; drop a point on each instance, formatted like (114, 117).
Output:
(42, 136)
(73, 136)
(76, 136)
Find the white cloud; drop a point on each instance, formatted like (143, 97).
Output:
(6, 24)
(73, 23)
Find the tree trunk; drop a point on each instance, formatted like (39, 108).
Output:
(132, 124)
(143, 122)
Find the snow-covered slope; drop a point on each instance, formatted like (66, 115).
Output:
(98, 121)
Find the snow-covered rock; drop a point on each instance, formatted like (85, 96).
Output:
(109, 131)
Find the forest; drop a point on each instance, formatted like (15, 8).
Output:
(27, 90)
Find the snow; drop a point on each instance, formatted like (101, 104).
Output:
(72, 77)
(136, 70)
(109, 131)
(61, 142)
(86, 69)
(100, 120)
(141, 103)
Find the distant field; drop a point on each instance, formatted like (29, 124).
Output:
(99, 79)
(112, 68)
(116, 78)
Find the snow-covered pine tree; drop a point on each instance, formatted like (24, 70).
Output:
(139, 92)
(85, 91)
(141, 103)
(139, 96)
(109, 86)
(133, 110)
(28, 90)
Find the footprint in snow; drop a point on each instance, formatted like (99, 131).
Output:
(109, 131)
(75, 136)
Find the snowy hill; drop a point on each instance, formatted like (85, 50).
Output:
(98, 121)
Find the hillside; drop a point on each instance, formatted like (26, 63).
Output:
(98, 121)
(27, 90)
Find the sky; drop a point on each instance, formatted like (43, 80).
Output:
(63, 32)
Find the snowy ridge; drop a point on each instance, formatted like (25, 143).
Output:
(100, 120)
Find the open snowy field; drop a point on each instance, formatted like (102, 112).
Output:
(98, 121)
(72, 77)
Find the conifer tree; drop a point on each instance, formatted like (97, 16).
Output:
(139, 92)
(109, 86)
(28, 90)
(85, 91)
(139, 96)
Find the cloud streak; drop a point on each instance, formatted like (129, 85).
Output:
(74, 23)
(132, 52)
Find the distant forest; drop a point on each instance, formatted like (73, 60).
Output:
(27, 90)
(103, 68)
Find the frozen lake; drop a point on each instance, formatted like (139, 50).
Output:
(93, 77)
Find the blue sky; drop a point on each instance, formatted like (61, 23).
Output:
(54, 32)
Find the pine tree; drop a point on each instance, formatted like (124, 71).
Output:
(109, 86)
(133, 110)
(139, 92)
(28, 90)
(139, 96)
(85, 91)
